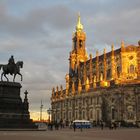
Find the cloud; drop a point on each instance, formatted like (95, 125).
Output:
(113, 22)
(118, 27)
(37, 22)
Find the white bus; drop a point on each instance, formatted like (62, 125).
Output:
(82, 123)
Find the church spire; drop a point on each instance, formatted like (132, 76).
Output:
(79, 26)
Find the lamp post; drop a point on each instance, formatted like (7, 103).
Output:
(41, 107)
(49, 113)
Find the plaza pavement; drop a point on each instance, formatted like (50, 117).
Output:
(69, 134)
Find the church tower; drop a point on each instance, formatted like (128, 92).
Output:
(78, 54)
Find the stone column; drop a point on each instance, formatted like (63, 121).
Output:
(73, 88)
(85, 73)
(123, 72)
(79, 86)
(67, 84)
(90, 70)
(112, 63)
(138, 59)
(105, 70)
(87, 84)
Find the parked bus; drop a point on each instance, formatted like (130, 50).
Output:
(82, 123)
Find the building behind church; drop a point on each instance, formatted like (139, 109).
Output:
(105, 87)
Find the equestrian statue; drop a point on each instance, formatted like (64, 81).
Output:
(11, 68)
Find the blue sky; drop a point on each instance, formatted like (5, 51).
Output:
(39, 32)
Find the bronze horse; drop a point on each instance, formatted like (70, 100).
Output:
(14, 69)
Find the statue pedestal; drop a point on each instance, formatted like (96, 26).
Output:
(13, 112)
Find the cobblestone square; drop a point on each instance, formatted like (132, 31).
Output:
(69, 134)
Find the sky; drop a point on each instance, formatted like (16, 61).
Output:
(39, 32)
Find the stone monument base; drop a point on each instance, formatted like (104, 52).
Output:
(13, 112)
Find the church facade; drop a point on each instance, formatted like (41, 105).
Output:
(101, 88)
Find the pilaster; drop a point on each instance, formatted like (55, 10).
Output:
(97, 66)
(113, 65)
(105, 70)
(90, 70)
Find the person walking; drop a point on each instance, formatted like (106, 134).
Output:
(81, 127)
(74, 126)
(102, 125)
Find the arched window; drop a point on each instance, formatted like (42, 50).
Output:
(97, 115)
(80, 43)
(132, 69)
(113, 113)
(108, 73)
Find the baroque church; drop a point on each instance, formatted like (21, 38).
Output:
(101, 88)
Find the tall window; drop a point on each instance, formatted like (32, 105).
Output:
(113, 113)
(91, 100)
(132, 69)
(108, 73)
(76, 115)
(118, 71)
(83, 114)
(98, 115)
(83, 101)
(70, 115)
(97, 100)
(64, 115)
(80, 43)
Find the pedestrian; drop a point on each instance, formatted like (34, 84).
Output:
(74, 126)
(112, 125)
(102, 125)
(115, 125)
(51, 126)
(81, 127)
(119, 124)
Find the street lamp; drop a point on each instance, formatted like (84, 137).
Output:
(41, 107)
(49, 113)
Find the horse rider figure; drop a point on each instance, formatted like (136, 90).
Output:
(11, 64)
